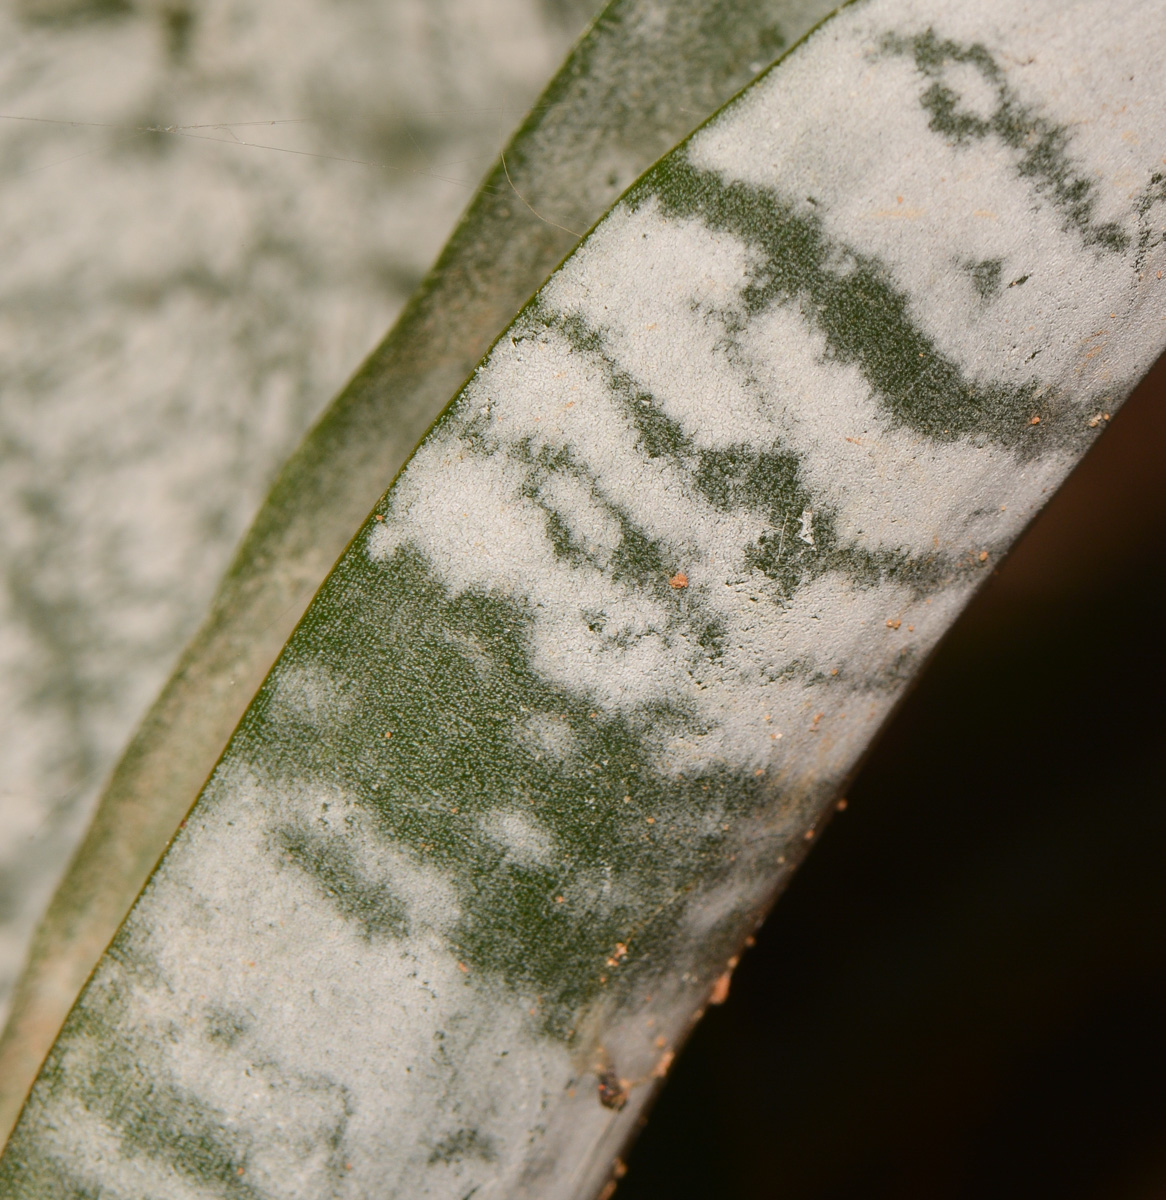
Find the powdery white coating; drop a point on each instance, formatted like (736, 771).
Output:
(472, 514)
(310, 1031)
(932, 207)
(532, 491)
(889, 486)
(521, 837)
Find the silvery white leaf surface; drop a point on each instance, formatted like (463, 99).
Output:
(640, 78)
(574, 701)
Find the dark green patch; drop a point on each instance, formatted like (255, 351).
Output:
(1151, 219)
(1042, 145)
(639, 559)
(71, 12)
(852, 300)
(465, 1143)
(329, 861)
(986, 276)
(452, 678)
(178, 31)
(766, 481)
(225, 1027)
(27, 1170)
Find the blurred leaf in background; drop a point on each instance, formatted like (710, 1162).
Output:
(177, 306)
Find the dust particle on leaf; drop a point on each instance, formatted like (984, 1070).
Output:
(613, 1091)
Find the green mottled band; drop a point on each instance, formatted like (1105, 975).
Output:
(549, 739)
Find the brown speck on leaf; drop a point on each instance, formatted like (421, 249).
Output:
(661, 1068)
(679, 580)
(720, 992)
(613, 1092)
(893, 622)
(593, 716)
(651, 820)
(619, 1168)
(1095, 421)
(603, 979)
(388, 733)
(910, 628)
(661, 1042)
(814, 722)
(983, 556)
(759, 771)
(750, 941)
(463, 968)
(1105, 416)
(558, 899)
(834, 671)
(1035, 421)
(608, 1190)
(843, 804)
(809, 834)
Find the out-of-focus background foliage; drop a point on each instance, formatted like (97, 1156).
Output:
(961, 995)
(176, 307)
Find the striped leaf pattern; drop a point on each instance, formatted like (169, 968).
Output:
(580, 692)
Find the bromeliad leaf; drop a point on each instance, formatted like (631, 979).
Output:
(641, 78)
(577, 697)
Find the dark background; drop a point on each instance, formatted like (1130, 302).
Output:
(963, 992)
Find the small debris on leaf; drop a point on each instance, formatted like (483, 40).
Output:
(613, 1092)
(679, 580)
(720, 992)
